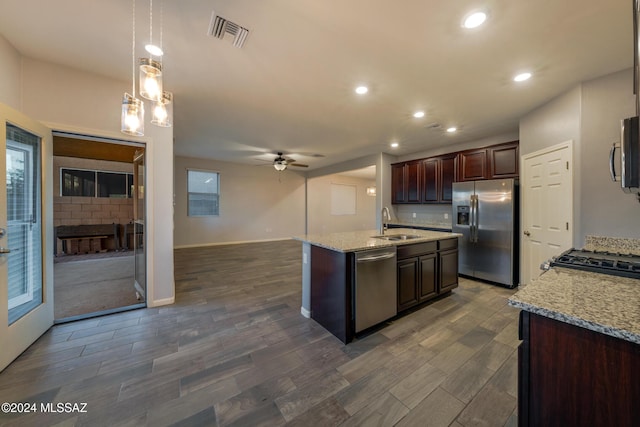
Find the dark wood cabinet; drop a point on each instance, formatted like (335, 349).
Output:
(398, 184)
(425, 272)
(504, 160)
(408, 271)
(572, 376)
(406, 182)
(473, 165)
(448, 270)
(428, 286)
(447, 177)
(431, 180)
(438, 175)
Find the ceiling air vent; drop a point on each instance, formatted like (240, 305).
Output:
(224, 29)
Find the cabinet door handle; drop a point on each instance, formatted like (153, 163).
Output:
(5, 251)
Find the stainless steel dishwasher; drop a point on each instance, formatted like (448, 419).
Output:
(376, 290)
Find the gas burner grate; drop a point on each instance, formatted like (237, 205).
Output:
(616, 264)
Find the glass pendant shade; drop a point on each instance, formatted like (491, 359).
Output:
(280, 166)
(132, 120)
(150, 79)
(163, 111)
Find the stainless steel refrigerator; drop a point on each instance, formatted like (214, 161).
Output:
(486, 214)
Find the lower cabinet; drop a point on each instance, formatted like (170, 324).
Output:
(425, 271)
(573, 376)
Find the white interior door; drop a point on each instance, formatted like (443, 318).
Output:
(26, 246)
(547, 207)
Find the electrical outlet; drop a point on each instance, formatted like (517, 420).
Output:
(414, 214)
(446, 216)
(304, 258)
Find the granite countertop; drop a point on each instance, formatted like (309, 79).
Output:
(352, 241)
(410, 224)
(599, 302)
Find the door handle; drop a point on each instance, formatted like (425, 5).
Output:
(612, 166)
(5, 251)
(526, 233)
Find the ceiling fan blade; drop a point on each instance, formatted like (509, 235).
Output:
(300, 165)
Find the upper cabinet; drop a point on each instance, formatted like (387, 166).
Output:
(503, 160)
(473, 165)
(431, 180)
(438, 177)
(405, 182)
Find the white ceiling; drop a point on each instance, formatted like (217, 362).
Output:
(290, 88)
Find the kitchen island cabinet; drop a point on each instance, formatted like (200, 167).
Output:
(579, 360)
(425, 271)
(331, 269)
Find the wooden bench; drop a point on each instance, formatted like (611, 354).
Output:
(91, 232)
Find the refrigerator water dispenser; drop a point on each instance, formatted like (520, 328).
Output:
(463, 215)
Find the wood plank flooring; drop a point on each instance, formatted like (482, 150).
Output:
(235, 351)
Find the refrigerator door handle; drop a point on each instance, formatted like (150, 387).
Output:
(476, 220)
(473, 229)
(471, 215)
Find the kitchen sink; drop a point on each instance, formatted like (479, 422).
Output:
(397, 237)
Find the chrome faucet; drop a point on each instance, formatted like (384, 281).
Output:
(383, 225)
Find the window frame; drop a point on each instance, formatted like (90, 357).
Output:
(216, 197)
(128, 181)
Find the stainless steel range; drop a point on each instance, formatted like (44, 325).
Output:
(616, 264)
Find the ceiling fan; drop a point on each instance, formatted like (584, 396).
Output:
(280, 163)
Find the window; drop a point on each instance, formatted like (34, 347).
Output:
(203, 193)
(93, 183)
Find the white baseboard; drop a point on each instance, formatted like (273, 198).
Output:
(160, 302)
(306, 313)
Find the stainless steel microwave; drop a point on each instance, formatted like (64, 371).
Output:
(629, 146)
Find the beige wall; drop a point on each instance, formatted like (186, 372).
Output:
(10, 75)
(71, 100)
(256, 203)
(589, 115)
(319, 217)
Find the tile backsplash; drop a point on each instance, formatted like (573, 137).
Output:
(425, 214)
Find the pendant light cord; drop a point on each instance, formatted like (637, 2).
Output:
(133, 51)
(150, 21)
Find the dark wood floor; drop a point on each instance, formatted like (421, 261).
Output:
(234, 350)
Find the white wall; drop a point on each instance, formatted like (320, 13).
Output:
(10, 75)
(256, 203)
(319, 217)
(555, 122)
(605, 210)
(590, 115)
(71, 100)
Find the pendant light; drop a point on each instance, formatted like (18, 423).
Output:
(132, 118)
(150, 69)
(163, 111)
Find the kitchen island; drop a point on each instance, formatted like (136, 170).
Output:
(579, 360)
(427, 266)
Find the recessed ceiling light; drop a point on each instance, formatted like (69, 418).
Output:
(452, 129)
(418, 114)
(361, 90)
(394, 145)
(474, 20)
(522, 77)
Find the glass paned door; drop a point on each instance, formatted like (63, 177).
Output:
(24, 222)
(139, 254)
(26, 233)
